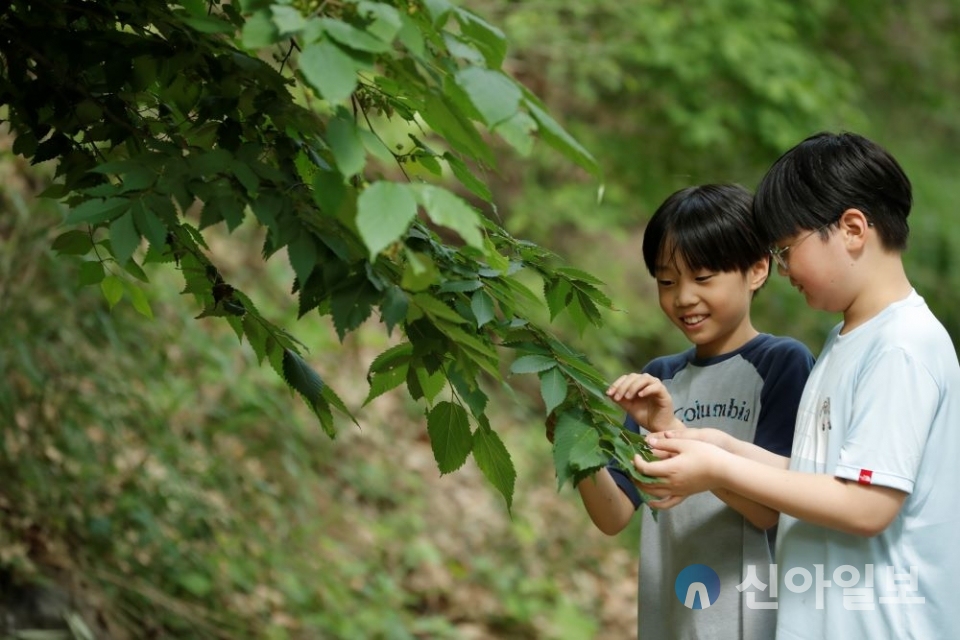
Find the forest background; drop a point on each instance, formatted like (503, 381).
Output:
(204, 501)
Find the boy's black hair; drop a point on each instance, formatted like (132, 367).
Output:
(812, 184)
(708, 226)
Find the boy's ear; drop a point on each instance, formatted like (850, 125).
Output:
(854, 224)
(758, 273)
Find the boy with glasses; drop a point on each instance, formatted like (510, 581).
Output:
(868, 499)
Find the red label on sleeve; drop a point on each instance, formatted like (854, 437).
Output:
(866, 476)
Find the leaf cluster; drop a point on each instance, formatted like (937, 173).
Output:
(166, 118)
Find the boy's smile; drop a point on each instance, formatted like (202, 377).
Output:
(712, 308)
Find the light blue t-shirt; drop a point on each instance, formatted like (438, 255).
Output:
(882, 407)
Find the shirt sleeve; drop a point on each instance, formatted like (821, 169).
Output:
(783, 381)
(896, 399)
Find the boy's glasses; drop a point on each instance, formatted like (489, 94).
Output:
(779, 254)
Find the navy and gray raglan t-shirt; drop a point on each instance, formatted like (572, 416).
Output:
(751, 393)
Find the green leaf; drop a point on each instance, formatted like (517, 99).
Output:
(431, 383)
(302, 378)
(97, 210)
(302, 253)
(490, 39)
(208, 24)
(451, 211)
(532, 364)
(380, 383)
(350, 36)
(91, 272)
(456, 128)
(396, 356)
(329, 70)
(149, 224)
(138, 298)
(466, 177)
(351, 305)
(557, 137)
(384, 212)
(288, 20)
(386, 21)
(450, 437)
(517, 131)
(569, 431)
(420, 272)
(393, 307)
(112, 288)
(494, 461)
(494, 95)
(482, 306)
(259, 31)
(586, 454)
(553, 388)
(124, 238)
(256, 335)
(436, 308)
(347, 146)
(73, 243)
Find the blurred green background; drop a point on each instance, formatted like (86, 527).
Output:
(168, 487)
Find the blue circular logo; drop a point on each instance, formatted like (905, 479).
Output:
(697, 586)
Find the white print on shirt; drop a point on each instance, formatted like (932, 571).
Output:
(814, 440)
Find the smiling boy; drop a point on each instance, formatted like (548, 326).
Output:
(868, 498)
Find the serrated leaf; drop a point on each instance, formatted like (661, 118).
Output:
(149, 224)
(302, 253)
(301, 377)
(532, 364)
(351, 306)
(396, 356)
(382, 382)
(569, 430)
(558, 294)
(431, 383)
(437, 309)
(579, 274)
(450, 437)
(494, 95)
(256, 335)
(482, 306)
(553, 388)
(393, 307)
(586, 452)
(494, 461)
(384, 212)
(124, 238)
(330, 71)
